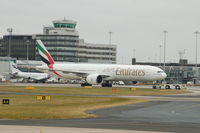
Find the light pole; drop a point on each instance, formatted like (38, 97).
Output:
(27, 58)
(165, 33)
(197, 32)
(110, 34)
(160, 46)
(110, 52)
(27, 52)
(9, 30)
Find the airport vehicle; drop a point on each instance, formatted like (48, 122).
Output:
(170, 86)
(119, 83)
(37, 77)
(102, 74)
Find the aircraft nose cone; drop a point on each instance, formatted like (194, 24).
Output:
(164, 75)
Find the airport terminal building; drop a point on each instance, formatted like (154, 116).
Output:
(20, 46)
(62, 41)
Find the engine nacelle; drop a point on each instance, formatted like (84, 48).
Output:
(94, 79)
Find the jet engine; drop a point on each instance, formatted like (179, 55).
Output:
(94, 79)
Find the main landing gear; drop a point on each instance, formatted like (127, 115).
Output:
(106, 84)
(85, 84)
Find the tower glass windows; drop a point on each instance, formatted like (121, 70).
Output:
(62, 25)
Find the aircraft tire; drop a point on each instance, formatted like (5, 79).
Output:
(85, 84)
(154, 87)
(110, 85)
(178, 87)
(106, 85)
(167, 87)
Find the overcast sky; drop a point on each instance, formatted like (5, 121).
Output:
(136, 24)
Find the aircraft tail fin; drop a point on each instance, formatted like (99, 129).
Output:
(44, 54)
(14, 68)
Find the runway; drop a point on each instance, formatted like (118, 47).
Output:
(175, 113)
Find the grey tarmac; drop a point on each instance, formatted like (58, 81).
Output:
(179, 117)
(177, 113)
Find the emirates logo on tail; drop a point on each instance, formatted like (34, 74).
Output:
(44, 54)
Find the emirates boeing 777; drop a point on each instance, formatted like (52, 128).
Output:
(93, 74)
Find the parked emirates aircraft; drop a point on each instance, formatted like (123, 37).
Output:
(102, 74)
(37, 77)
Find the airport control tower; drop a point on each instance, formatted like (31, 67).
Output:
(62, 27)
(61, 39)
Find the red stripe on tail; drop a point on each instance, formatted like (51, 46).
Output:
(50, 58)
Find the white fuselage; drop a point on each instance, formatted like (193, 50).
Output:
(31, 75)
(109, 71)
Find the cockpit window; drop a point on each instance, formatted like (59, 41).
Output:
(160, 71)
